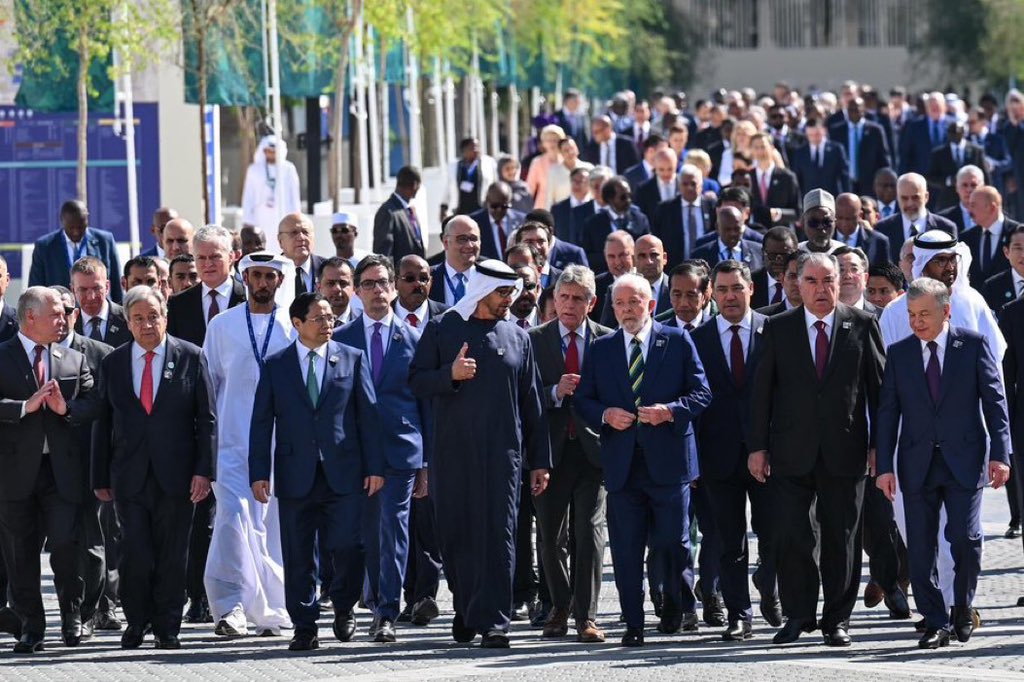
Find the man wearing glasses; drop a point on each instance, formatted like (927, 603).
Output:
(450, 279)
(497, 220)
(819, 222)
(413, 285)
(297, 243)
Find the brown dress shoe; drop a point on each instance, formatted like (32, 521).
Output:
(557, 624)
(873, 594)
(587, 631)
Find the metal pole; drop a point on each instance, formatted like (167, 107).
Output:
(437, 92)
(413, 82)
(514, 100)
(274, 93)
(449, 112)
(371, 99)
(495, 101)
(125, 95)
(360, 114)
(314, 136)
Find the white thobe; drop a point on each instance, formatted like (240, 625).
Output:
(244, 567)
(258, 200)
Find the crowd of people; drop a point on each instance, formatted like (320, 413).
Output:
(659, 314)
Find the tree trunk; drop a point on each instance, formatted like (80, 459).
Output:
(83, 117)
(201, 66)
(335, 159)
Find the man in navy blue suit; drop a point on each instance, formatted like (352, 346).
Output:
(642, 389)
(940, 425)
(913, 218)
(620, 214)
(820, 164)
(389, 344)
(919, 137)
(852, 232)
(56, 252)
(327, 458)
(864, 143)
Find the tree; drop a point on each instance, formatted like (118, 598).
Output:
(1002, 48)
(956, 30)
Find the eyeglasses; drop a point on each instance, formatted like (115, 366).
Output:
(530, 286)
(410, 279)
(295, 233)
(945, 261)
(819, 223)
(775, 257)
(323, 320)
(341, 229)
(506, 292)
(371, 284)
(466, 239)
(69, 310)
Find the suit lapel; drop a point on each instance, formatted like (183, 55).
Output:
(951, 361)
(330, 368)
(171, 370)
(657, 344)
(24, 363)
(804, 342)
(399, 338)
(841, 331)
(620, 367)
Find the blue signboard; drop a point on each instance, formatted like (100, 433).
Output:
(38, 161)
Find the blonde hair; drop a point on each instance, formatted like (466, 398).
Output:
(746, 127)
(552, 129)
(700, 159)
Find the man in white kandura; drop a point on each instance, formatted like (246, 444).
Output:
(244, 570)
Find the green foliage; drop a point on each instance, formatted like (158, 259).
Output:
(956, 30)
(1003, 50)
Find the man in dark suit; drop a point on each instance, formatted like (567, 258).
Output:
(729, 245)
(8, 315)
(55, 253)
(729, 349)
(681, 221)
(968, 179)
(606, 148)
(945, 163)
(865, 145)
(643, 388)
(153, 455)
(661, 186)
(820, 164)
(919, 137)
(389, 344)
(1011, 323)
(941, 426)
(620, 214)
(913, 217)
(814, 400)
(45, 391)
(538, 236)
(778, 243)
(560, 253)
(161, 217)
(497, 220)
(571, 119)
(413, 285)
(643, 170)
(588, 209)
(990, 240)
(450, 278)
(327, 460)
(561, 211)
(775, 196)
(297, 238)
(100, 319)
(619, 259)
(851, 231)
(562, 347)
(1005, 287)
(650, 262)
(397, 230)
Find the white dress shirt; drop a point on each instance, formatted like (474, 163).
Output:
(1018, 283)
(452, 282)
(223, 296)
(667, 190)
(921, 222)
(764, 176)
(608, 154)
(308, 276)
(698, 215)
(812, 331)
(563, 333)
(319, 362)
(75, 250)
(940, 341)
(30, 350)
(103, 315)
(725, 334)
(385, 334)
(996, 230)
(139, 365)
(421, 313)
(643, 335)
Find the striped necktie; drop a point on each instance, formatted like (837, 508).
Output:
(636, 369)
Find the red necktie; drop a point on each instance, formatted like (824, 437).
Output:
(572, 366)
(820, 350)
(502, 237)
(214, 307)
(38, 367)
(736, 356)
(412, 320)
(146, 390)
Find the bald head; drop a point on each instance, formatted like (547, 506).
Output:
(619, 251)
(848, 207)
(295, 234)
(986, 206)
(650, 258)
(912, 194)
(177, 237)
(665, 162)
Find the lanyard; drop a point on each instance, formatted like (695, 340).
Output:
(259, 354)
(448, 282)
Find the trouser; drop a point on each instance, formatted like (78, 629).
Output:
(709, 553)
(112, 548)
(386, 539)
(881, 537)
(423, 565)
(92, 556)
(199, 548)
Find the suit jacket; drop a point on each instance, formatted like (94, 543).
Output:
(970, 389)
(798, 418)
(954, 215)
(547, 348)
(664, 303)
(892, 228)
(997, 264)
(597, 229)
(916, 144)
(488, 247)
(762, 288)
(773, 309)
(579, 217)
(673, 376)
(117, 332)
(942, 170)
(575, 126)
(51, 264)
(625, 153)
(177, 441)
(565, 253)
(185, 318)
(151, 252)
(603, 285)
(723, 427)
(636, 175)
(561, 211)
(647, 196)
(315, 262)
(487, 171)
(873, 155)
(833, 175)
(873, 243)
(667, 226)
(94, 352)
(999, 292)
(1011, 324)
(343, 427)
(8, 322)
(401, 417)
(22, 438)
(750, 252)
(783, 194)
(393, 233)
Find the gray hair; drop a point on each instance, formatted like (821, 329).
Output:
(915, 179)
(634, 281)
(142, 293)
(691, 170)
(970, 169)
(926, 286)
(579, 275)
(34, 298)
(216, 235)
(821, 259)
(602, 173)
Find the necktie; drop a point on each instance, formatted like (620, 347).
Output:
(986, 250)
(413, 321)
(460, 287)
(854, 151)
(820, 350)
(300, 281)
(146, 388)
(886, 211)
(764, 188)
(777, 296)
(933, 372)
(95, 333)
(621, 223)
(636, 369)
(691, 225)
(38, 368)
(688, 327)
(522, 322)
(814, 157)
(312, 385)
(935, 134)
(214, 306)
(913, 229)
(736, 356)
(959, 155)
(572, 366)
(376, 353)
(414, 222)
(821, 157)
(502, 237)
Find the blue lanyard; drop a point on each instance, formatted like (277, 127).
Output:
(259, 354)
(448, 281)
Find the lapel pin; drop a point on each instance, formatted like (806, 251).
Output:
(1009, 294)
(56, 353)
(847, 324)
(957, 343)
(659, 343)
(501, 352)
(113, 328)
(760, 330)
(397, 336)
(170, 365)
(167, 373)
(333, 360)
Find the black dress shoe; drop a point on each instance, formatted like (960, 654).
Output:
(658, 601)
(495, 639)
(107, 620)
(670, 623)
(10, 622)
(633, 637)
(87, 630)
(714, 614)
(934, 638)
(71, 628)
(921, 626)
(198, 611)
(539, 614)
(168, 642)
(424, 611)
(737, 631)
(461, 633)
(344, 626)
(897, 604)
(132, 637)
(837, 636)
(792, 630)
(385, 631)
(771, 610)
(325, 602)
(1012, 532)
(521, 611)
(963, 623)
(689, 622)
(304, 641)
(29, 644)
(406, 615)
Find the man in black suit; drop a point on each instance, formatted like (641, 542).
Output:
(297, 238)
(619, 259)
(561, 211)
(968, 179)
(913, 217)
(1011, 324)
(571, 119)
(588, 209)
(729, 245)
(561, 347)
(497, 220)
(8, 315)
(785, 139)
(729, 349)
(681, 221)
(335, 281)
(989, 241)
(852, 232)
(45, 391)
(620, 214)
(690, 294)
(153, 456)
(853, 279)
(413, 284)
(650, 260)
(865, 145)
(778, 243)
(397, 230)
(608, 149)
(661, 186)
(538, 235)
(790, 287)
(643, 170)
(919, 137)
(1005, 287)
(101, 319)
(560, 253)
(946, 161)
(814, 401)
(775, 199)
(820, 164)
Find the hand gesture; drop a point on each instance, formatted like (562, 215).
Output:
(463, 368)
(758, 465)
(618, 418)
(567, 385)
(38, 398)
(55, 399)
(104, 494)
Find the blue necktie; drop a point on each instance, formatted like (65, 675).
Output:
(460, 287)
(376, 353)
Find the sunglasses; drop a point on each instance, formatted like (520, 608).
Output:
(410, 279)
(341, 229)
(819, 223)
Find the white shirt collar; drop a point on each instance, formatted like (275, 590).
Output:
(642, 335)
(724, 324)
(940, 341)
(306, 265)
(303, 352)
(580, 331)
(829, 320)
(29, 345)
(421, 313)
(401, 200)
(1017, 280)
(139, 353)
(452, 271)
(996, 228)
(386, 323)
(574, 202)
(103, 314)
(223, 289)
